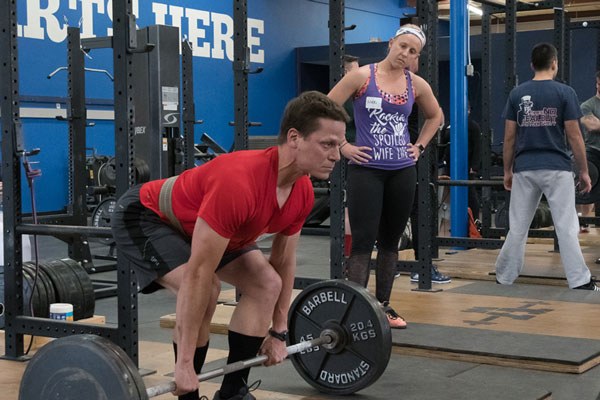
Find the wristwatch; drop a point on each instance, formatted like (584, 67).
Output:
(420, 147)
(279, 335)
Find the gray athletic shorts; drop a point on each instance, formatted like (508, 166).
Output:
(153, 247)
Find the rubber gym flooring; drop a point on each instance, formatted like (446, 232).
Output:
(473, 340)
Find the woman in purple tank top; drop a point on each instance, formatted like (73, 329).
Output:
(381, 173)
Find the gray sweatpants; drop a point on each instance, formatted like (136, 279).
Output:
(527, 190)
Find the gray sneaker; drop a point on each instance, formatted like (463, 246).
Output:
(436, 276)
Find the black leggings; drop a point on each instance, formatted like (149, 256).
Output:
(379, 204)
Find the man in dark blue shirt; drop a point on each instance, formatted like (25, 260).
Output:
(540, 114)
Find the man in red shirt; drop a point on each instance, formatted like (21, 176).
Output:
(188, 233)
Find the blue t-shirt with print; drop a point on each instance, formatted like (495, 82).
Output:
(540, 109)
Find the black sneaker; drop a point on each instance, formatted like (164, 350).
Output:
(591, 285)
(436, 276)
(243, 393)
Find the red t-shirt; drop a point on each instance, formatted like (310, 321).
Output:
(236, 194)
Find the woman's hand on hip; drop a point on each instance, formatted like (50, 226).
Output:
(357, 154)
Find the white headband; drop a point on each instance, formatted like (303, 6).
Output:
(412, 31)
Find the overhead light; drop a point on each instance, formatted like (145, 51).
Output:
(475, 10)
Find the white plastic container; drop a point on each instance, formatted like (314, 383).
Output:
(61, 311)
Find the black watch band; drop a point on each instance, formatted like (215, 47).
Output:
(279, 335)
(421, 147)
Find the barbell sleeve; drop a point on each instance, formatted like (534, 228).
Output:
(324, 338)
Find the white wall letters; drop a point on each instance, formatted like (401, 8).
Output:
(210, 33)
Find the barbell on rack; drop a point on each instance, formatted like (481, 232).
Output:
(341, 344)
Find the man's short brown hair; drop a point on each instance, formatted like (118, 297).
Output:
(304, 111)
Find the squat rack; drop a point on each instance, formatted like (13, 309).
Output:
(16, 324)
(491, 235)
(124, 44)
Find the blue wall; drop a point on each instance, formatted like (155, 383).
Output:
(276, 28)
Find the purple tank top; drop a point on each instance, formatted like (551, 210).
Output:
(383, 126)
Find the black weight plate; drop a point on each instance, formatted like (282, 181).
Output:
(50, 292)
(80, 367)
(1, 296)
(55, 281)
(593, 159)
(107, 173)
(365, 336)
(70, 282)
(142, 170)
(131, 369)
(29, 292)
(1, 306)
(86, 286)
(25, 296)
(42, 307)
(101, 218)
(134, 373)
(66, 285)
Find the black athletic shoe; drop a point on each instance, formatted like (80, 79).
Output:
(591, 285)
(243, 394)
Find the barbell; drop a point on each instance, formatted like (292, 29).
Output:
(339, 342)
